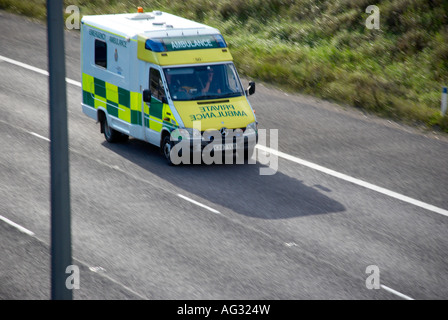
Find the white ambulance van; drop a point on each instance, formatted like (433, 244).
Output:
(163, 79)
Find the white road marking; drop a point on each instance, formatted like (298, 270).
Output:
(39, 136)
(198, 203)
(291, 244)
(17, 226)
(102, 273)
(24, 230)
(286, 156)
(41, 71)
(97, 269)
(396, 292)
(358, 182)
(76, 83)
(24, 65)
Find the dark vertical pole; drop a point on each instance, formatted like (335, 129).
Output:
(61, 252)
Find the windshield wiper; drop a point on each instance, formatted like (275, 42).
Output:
(230, 94)
(210, 96)
(218, 96)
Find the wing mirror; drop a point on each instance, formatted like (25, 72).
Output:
(147, 95)
(251, 89)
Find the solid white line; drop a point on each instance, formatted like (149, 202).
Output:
(41, 71)
(24, 65)
(199, 204)
(39, 136)
(22, 229)
(396, 293)
(311, 165)
(76, 83)
(358, 182)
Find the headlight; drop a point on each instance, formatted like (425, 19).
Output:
(251, 128)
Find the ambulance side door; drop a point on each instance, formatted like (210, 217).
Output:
(153, 111)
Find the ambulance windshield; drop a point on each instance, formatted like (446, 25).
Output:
(203, 82)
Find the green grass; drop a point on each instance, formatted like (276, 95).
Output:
(322, 47)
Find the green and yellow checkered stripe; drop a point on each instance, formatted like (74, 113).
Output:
(119, 102)
(125, 104)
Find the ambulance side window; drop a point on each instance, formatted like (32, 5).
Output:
(156, 84)
(100, 53)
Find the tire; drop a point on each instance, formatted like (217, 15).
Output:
(166, 147)
(112, 135)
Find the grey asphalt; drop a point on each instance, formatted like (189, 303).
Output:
(299, 234)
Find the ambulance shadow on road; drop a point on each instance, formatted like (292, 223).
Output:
(238, 187)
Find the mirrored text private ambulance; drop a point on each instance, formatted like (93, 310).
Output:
(166, 80)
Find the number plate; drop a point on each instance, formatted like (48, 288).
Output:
(220, 147)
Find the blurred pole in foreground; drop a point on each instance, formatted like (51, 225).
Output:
(61, 251)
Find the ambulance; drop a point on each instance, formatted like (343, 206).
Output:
(165, 79)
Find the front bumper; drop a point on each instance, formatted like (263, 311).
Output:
(216, 144)
(244, 142)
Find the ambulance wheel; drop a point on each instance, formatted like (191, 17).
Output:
(110, 134)
(166, 146)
